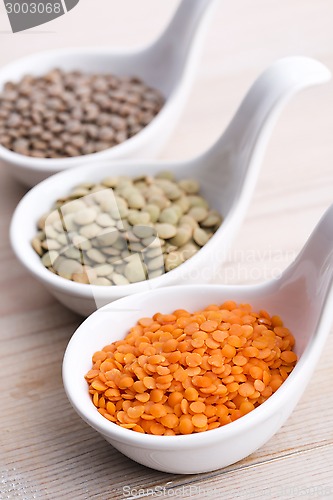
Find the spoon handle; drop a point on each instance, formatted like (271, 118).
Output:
(184, 23)
(181, 41)
(265, 99)
(242, 145)
(314, 264)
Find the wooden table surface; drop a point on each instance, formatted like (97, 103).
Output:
(46, 451)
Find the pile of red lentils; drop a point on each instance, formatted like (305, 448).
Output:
(185, 372)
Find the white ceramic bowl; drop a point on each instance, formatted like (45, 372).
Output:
(302, 297)
(227, 173)
(83, 298)
(169, 65)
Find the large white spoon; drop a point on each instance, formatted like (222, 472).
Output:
(303, 297)
(168, 64)
(227, 173)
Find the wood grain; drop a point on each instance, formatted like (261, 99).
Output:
(46, 451)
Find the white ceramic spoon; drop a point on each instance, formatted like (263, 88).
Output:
(227, 173)
(169, 65)
(303, 297)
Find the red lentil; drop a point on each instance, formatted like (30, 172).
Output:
(183, 373)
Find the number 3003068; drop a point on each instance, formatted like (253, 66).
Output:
(33, 8)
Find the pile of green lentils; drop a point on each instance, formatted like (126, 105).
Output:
(124, 230)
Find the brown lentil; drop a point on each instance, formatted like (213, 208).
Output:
(62, 114)
(158, 381)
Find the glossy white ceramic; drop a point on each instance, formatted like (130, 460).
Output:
(169, 65)
(227, 173)
(303, 297)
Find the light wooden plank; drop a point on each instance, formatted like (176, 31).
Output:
(46, 451)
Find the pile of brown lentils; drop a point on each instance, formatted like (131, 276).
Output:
(63, 114)
(124, 230)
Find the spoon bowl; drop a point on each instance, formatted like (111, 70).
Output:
(227, 173)
(302, 296)
(168, 65)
